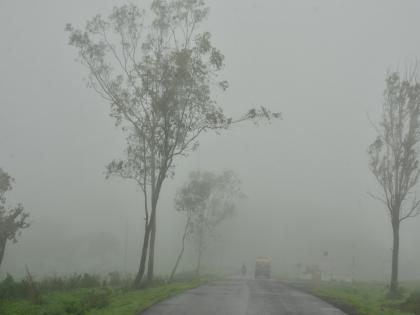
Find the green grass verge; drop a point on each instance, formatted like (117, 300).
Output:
(133, 302)
(360, 298)
(95, 301)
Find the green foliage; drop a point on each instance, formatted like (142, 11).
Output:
(31, 290)
(72, 282)
(55, 310)
(412, 303)
(53, 284)
(96, 301)
(9, 288)
(89, 281)
(359, 299)
(74, 302)
(132, 302)
(73, 307)
(115, 278)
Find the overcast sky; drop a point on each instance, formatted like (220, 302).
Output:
(322, 63)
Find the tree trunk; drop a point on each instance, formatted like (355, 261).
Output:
(155, 197)
(150, 268)
(181, 252)
(197, 270)
(200, 244)
(200, 250)
(2, 249)
(393, 289)
(142, 268)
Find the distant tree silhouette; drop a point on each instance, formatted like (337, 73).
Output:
(394, 156)
(12, 219)
(207, 199)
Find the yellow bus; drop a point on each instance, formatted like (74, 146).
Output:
(263, 267)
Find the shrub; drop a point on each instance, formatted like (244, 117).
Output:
(412, 303)
(114, 278)
(57, 310)
(75, 281)
(90, 281)
(9, 288)
(52, 284)
(30, 289)
(97, 299)
(74, 308)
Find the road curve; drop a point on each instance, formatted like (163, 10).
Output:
(240, 296)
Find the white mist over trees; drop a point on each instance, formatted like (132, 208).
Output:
(306, 178)
(206, 200)
(157, 71)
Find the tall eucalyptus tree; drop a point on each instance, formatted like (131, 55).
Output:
(157, 69)
(394, 156)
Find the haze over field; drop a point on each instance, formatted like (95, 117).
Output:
(321, 63)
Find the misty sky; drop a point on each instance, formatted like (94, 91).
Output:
(322, 63)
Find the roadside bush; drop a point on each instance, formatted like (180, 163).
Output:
(115, 278)
(118, 280)
(97, 299)
(26, 288)
(30, 289)
(90, 281)
(9, 288)
(53, 283)
(412, 303)
(74, 308)
(57, 310)
(71, 307)
(72, 282)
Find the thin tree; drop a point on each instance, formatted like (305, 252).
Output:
(158, 72)
(187, 230)
(12, 220)
(394, 157)
(207, 200)
(189, 198)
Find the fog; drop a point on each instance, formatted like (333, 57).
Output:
(321, 63)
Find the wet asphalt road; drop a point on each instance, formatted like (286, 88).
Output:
(240, 296)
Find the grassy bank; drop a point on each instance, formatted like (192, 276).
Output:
(130, 303)
(94, 301)
(367, 298)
